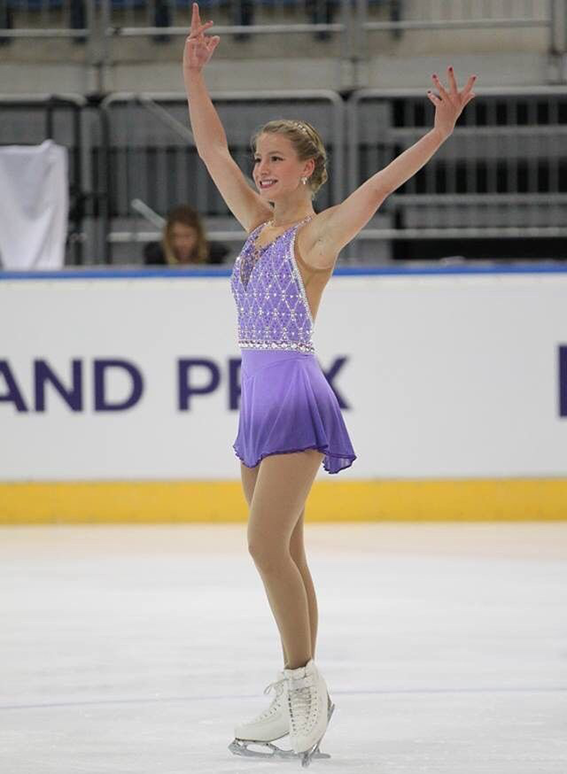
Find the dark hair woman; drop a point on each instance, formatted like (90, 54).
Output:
(184, 242)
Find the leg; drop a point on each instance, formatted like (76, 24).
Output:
(280, 492)
(297, 551)
(249, 478)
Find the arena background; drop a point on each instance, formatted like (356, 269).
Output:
(134, 637)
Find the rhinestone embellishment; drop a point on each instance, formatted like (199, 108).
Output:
(273, 310)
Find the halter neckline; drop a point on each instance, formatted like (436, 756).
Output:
(260, 248)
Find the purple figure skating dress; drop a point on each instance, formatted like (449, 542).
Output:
(286, 403)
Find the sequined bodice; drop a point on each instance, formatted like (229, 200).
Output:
(273, 310)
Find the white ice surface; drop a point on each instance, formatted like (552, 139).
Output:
(137, 649)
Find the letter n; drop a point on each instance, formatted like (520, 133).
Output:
(73, 396)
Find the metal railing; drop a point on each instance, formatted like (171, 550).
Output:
(150, 154)
(502, 174)
(351, 21)
(73, 19)
(459, 14)
(233, 17)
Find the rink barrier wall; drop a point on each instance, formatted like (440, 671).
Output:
(340, 271)
(106, 472)
(155, 502)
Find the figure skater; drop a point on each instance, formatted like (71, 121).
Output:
(290, 421)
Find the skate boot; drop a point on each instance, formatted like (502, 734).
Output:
(309, 708)
(268, 727)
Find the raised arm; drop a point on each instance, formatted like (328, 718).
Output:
(338, 225)
(247, 205)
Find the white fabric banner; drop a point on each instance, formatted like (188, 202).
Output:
(34, 206)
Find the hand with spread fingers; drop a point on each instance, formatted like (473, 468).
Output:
(450, 104)
(199, 47)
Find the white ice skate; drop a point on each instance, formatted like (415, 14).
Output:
(268, 727)
(309, 708)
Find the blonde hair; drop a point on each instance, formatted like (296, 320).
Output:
(188, 217)
(306, 142)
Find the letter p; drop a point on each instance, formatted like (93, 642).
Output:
(184, 379)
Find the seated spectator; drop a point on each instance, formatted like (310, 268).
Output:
(183, 242)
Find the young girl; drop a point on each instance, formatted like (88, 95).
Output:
(290, 422)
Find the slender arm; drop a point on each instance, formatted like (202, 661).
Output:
(205, 122)
(338, 225)
(341, 223)
(407, 164)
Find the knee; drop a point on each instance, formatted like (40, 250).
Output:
(297, 552)
(268, 557)
(299, 557)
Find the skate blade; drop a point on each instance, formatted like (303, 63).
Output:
(309, 755)
(240, 747)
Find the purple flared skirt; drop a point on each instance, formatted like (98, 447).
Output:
(287, 405)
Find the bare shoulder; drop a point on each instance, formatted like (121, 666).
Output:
(315, 249)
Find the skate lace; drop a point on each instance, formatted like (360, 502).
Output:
(300, 702)
(277, 685)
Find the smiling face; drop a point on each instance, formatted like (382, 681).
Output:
(277, 164)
